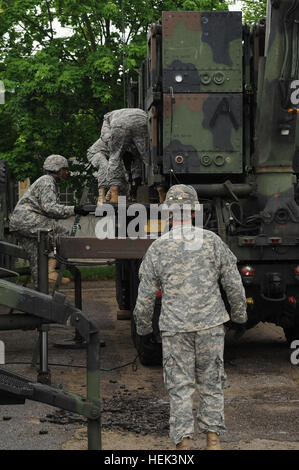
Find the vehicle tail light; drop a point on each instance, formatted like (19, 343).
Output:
(274, 240)
(247, 271)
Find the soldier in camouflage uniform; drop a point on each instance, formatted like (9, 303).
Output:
(123, 145)
(192, 318)
(39, 209)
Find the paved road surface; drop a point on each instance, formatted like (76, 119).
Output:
(261, 394)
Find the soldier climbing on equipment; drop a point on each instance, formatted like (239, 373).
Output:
(121, 148)
(39, 209)
(192, 317)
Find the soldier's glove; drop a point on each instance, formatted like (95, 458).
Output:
(79, 210)
(148, 339)
(238, 327)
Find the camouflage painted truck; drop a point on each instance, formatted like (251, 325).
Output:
(222, 100)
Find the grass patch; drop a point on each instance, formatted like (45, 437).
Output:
(88, 273)
(94, 273)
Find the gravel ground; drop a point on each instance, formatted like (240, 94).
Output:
(261, 394)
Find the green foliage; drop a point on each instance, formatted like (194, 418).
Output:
(254, 10)
(62, 65)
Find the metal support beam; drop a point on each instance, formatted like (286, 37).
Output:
(224, 190)
(93, 248)
(19, 321)
(55, 310)
(93, 389)
(10, 249)
(44, 374)
(17, 386)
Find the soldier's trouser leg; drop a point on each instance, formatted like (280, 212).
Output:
(59, 230)
(210, 378)
(102, 163)
(179, 379)
(31, 249)
(136, 168)
(141, 142)
(190, 358)
(140, 139)
(116, 169)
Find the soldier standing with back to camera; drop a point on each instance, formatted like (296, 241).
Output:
(192, 318)
(39, 209)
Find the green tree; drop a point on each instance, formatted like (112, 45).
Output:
(254, 10)
(64, 64)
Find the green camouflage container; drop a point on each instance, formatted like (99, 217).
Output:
(202, 85)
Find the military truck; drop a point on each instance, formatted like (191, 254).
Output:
(222, 101)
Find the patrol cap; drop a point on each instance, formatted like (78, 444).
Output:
(182, 194)
(55, 163)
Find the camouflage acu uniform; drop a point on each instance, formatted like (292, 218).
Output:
(98, 155)
(123, 130)
(191, 321)
(38, 209)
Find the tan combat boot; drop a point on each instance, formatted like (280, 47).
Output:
(213, 441)
(53, 275)
(114, 194)
(101, 198)
(184, 444)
